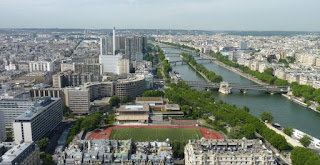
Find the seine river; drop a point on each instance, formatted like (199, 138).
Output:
(285, 112)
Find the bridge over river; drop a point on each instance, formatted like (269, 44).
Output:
(225, 87)
(183, 62)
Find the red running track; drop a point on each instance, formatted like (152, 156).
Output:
(206, 133)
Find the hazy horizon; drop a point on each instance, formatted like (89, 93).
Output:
(210, 15)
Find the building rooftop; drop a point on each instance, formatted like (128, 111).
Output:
(228, 146)
(14, 152)
(116, 151)
(175, 107)
(149, 99)
(144, 107)
(40, 105)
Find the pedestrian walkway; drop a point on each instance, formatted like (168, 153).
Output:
(289, 139)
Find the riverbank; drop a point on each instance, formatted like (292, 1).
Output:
(204, 76)
(289, 139)
(237, 71)
(299, 101)
(285, 111)
(290, 97)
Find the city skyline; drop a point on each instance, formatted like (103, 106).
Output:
(242, 15)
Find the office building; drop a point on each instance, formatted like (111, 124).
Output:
(47, 92)
(71, 78)
(114, 41)
(124, 66)
(78, 100)
(27, 153)
(3, 135)
(133, 114)
(110, 63)
(94, 68)
(41, 66)
(230, 151)
(82, 68)
(12, 108)
(103, 46)
(38, 121)
(134, 45)
(131, 87)
(121, 43)
(99, 90)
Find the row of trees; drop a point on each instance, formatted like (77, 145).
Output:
(181, 46)
(149, 57)
(166, 68)
(115, 100)
(304, 156)
(266, 76)
(305, 91)
(153, 93)
(165, 64)
(243, 123)
(199, 67)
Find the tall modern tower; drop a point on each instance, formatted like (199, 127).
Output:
(114, 41)
(103, 46)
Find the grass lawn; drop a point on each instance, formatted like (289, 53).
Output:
(161, 134)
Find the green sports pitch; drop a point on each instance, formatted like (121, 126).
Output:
(158, 134)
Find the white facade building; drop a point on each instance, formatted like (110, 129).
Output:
(12, 108)
(3, 135)
(10, 67)
(110, 63)
(38, 121)
(78, 100)
(41, 66)
(230, 151)
(124, 66)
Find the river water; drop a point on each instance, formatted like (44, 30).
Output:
(285, 112)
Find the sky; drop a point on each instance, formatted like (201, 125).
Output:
(261, 15)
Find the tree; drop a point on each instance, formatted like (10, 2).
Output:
(114, 101)
(267, 116)
(269, 71)
(305, 140)
(46, 159)
(91, 122)
(249, 131)
(178, 149)
(236, 132)
(246, 108)
(153, 93)
(65, 110)
(288, 131)
(304, 156)
(125, 100)
(9, 136)
(43, 143)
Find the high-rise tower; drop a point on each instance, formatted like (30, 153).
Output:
(114, 41)
(103, 46)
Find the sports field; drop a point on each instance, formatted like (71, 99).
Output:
(147, 134)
